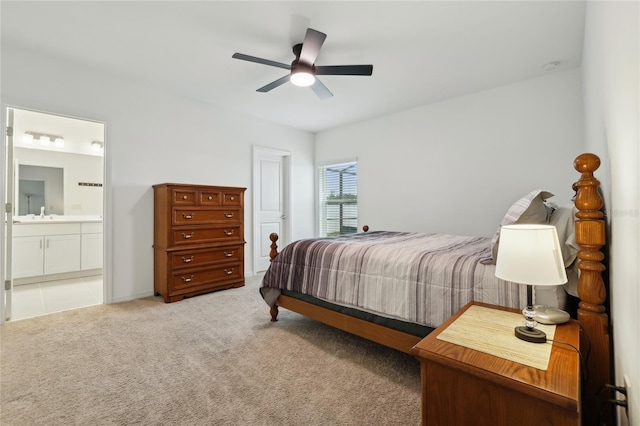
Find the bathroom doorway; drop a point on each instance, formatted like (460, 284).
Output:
(55, 187)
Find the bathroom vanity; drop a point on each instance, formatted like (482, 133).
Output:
(56, 245)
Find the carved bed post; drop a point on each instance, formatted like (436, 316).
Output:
(272, 255)
(592, 315)
(274, 247)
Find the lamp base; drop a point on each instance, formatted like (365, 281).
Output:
(532, 335)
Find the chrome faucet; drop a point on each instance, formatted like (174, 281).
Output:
(42, 212)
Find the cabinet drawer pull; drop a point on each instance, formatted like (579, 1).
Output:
(184, 197)
(187, 259)
(188, 216)
(187, 236)
(228, 233)
(210, 198)
(228, 215)
(187, 279)
(228, 271)
(228, 253)
(232, 198)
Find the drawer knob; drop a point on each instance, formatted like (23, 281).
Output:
(184, 197)
(228, 253)
(188, 216)
(232, 198)
(210, 198)
(187, 259)
(228, 271)
(187, 236)
(228, 233)
(187, 279)
(228, 215)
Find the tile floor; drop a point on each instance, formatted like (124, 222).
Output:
(31, 300)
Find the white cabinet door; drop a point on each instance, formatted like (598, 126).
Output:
(28, 256)
(62, 253)
(91, 251)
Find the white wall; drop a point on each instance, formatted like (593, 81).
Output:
(154, 137)
(611, 73)
(456, 166)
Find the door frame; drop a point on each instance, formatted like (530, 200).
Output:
(107, 214)
(6, 192)
(258, 152)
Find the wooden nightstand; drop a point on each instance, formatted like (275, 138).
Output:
(462, 386)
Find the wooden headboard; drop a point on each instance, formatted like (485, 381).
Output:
(595, 340)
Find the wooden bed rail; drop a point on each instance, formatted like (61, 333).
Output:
(592, 315)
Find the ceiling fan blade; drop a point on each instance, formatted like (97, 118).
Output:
(344, 70)
(274, 84)
(260, 61)
(321, 90)
(311, 45)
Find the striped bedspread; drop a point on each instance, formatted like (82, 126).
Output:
(415, 277)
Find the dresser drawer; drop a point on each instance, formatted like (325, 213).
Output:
(231, 198)
(183, 196)
(198, 277)
(191, 258)
(198, 235)
(184, 216)
(210, 197)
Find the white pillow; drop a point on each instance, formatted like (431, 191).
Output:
(528, 209)
(564, 219)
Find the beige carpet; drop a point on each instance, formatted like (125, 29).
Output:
(214, 359)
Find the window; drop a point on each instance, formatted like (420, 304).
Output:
(338, 199)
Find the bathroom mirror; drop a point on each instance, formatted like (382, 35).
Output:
(40, 186)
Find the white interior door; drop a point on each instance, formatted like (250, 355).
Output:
(271, 202)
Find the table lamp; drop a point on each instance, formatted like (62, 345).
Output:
(530, 254)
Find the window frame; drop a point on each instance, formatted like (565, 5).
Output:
(321, 210)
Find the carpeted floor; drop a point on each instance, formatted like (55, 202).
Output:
(214, 359)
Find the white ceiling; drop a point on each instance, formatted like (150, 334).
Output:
(422, 51)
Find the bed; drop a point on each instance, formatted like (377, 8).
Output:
(360, 283)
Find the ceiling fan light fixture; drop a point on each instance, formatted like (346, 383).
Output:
(303, 70)
(302, 78)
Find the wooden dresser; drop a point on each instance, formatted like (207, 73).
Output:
(462, 386)
(198, 239)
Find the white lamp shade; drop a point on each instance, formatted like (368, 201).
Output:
(530, 254)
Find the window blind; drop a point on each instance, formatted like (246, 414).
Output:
(338, 199)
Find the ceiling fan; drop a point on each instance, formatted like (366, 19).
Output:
(303, 70)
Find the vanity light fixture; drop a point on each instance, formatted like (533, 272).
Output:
(45, 139)
(97, 145)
